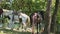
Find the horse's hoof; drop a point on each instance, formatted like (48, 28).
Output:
(23, 30)
(29, 30)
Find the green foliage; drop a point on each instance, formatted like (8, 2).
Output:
(58, 16)
(29, 6)
(4, 5)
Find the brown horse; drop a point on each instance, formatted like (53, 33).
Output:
(36, 18)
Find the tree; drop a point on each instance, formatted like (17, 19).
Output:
(54, 17)
(48, 18)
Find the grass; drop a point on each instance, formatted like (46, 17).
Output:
(5, 31)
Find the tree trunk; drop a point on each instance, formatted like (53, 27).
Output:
(54, 17)
(48, 18)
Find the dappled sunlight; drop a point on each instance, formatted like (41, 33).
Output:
(1, 32)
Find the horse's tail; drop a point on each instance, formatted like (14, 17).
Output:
(28, 21)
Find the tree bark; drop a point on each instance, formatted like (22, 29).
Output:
(48, 18)
(54, 17)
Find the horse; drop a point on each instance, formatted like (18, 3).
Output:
(8, 14)
(1, 15)
(36, 18)
(24, 19)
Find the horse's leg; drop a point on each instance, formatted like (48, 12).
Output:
(37, 28)
(42, 28)
(25, 26)
(33, 28)
(22, 25)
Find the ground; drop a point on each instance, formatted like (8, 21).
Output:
(5, 31)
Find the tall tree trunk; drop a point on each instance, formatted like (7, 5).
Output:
(54, 17)
(48, 18)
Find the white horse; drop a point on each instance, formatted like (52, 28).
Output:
(9, 13)
(25, 19)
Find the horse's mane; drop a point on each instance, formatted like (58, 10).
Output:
(42, 13)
